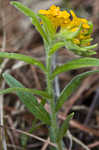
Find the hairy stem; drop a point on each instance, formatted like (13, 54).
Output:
(54, 127)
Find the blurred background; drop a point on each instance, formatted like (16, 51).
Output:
(17, 34)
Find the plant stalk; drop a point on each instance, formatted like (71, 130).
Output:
(53, 115)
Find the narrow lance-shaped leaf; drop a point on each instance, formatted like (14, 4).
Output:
(56, 47)
(31, 91)
(86, 41)
(48, 27)
(63, 129)
(76, 64)
(89, 47)
(70, 45)
(28, 12)
(91, 27)
(67, 34)
(71, 87)
(24, 58)
(83, 51)
(29, 100)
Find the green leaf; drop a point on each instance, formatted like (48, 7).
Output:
(71, 87)
(86, 41)
(55, 47)
(76, 64)
(28, 12)
(91, 27)
(75, 48)
(31, 91)
(62, 131)
(24, 58)
(80, 50)
(70, 45)
(68, 35)
(48, 27)
(88, 47)
(29, 100)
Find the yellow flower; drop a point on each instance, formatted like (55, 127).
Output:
(57, 17)
(68, 20)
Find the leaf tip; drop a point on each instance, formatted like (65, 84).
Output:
(13, 3)
(72, 114)
(4, 74)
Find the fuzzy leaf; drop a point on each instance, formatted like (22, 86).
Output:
(89, 47)
(48, 27)
(86, 41)
(24, 58)
(91, 27)
(69, 35)
(76, 64)
(31, 91)
(63, 129)
(28, 12)
(55, 47)
(29, 100)
(71, 87)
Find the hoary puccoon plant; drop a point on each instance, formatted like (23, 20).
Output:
(58, 29)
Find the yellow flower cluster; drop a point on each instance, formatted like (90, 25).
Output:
(68, 20)
(58, 18)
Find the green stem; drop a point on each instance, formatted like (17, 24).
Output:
(54, 127)
(59, 145)
(52, 102)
